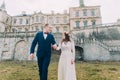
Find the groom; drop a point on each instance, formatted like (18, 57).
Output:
(45, 42)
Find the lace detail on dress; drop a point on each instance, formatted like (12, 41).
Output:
(66, 70)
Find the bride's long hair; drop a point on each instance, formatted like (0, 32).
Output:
(66, 37)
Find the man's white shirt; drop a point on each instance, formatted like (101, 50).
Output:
(45, 35)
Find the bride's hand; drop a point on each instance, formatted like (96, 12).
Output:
(72, 61)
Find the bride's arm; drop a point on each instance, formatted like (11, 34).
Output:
(73, 50)
(59, 46)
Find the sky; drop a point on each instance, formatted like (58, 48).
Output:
(109, 8)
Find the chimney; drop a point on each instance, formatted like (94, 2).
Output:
(81, 3)
(24, 13)
(65, 11)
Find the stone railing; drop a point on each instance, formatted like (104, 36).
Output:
(17, 34)
(103, 45)
(58, 36)
(109, 47)
(114, 48)
(79, 42)
(97, 26)
(22, 34)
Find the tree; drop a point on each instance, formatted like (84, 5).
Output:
(114, 34)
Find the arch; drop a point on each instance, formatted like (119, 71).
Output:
(79, 53)
(21, 50)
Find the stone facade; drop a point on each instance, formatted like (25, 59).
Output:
(17, 32)
(78, 17)
(82, 17)
(16, 46)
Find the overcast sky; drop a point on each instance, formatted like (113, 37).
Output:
(109, 8)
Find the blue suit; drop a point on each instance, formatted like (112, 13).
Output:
(43, 52)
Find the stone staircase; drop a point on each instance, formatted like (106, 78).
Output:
(115, 48)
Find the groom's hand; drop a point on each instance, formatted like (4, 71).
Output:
(31, 56)
(54, 46)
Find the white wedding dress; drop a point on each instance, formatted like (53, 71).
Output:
(66, 70)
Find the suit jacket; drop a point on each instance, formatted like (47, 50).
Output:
(44, 45)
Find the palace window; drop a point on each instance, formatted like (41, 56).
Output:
(77, 14)
(84, 12)
(77, 24)
(65, 19)
(15, 20)
(85, 23)
(65, 28)
(19, 29)
(92, 12)
(27, 21)
(41, 27)
(57, 19)
(33, 19)
(93, 23)
(26, 29)
(36, 28)
(20, 21)
(13, 30)
(5, 29)
(37, 19)
(32, 28)
(50, 20)
(42, 18)
(57, 29)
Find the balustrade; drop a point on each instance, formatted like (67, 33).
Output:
(98, 42)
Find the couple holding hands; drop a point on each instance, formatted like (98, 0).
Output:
(46, 41)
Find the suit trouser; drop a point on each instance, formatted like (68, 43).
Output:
(43, 63)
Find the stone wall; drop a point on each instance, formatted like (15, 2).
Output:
(17, 48)
(14, 48)
(95, 52)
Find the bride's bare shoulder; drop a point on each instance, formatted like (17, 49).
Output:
(72, 40)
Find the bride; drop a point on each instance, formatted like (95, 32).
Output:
(66, 66)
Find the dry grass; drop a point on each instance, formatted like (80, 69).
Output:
(13, 70)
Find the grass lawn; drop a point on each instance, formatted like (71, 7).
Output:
(13, 70)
